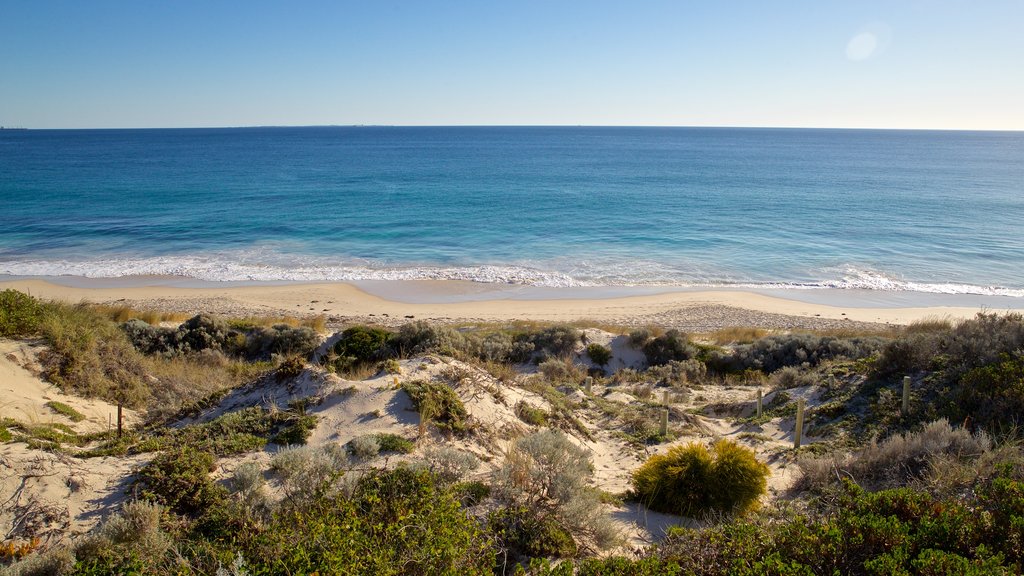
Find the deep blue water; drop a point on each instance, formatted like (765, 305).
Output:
(899, 210)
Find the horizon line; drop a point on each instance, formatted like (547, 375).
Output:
(5, 127)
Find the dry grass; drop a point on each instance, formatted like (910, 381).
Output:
(316, 323)
(929, 325)
(735, 335)
(122, 313)
(182, 382)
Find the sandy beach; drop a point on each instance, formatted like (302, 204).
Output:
(448, 301)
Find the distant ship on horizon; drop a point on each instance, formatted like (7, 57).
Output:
(13, 128)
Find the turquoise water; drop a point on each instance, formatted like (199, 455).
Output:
(939, 212)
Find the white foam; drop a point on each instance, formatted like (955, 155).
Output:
(264, 267)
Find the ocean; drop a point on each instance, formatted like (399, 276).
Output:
(882, 210)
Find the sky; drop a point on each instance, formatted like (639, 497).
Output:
(823, 63)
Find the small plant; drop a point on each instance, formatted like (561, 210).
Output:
(68, 411)
(672, 345)
(291, 367)
(601, 355)
(359, 345)
(391, 366)
(394, 443)
(364, 447)
(20, 314)
(693, 481)
(450, 465)
(531, 415)
(180, 480)
(438, 403)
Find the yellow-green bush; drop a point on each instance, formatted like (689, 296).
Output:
(692, 480)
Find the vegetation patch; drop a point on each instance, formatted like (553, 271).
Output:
(694, 481)
(438, 403)
(65, 410)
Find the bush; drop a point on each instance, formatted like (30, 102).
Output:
(672, 345)
(422, 338)
(180, 480)
(771, 353)
(898, 460)
(676, 373)
(131, 538)
(530, 415)
(438, 403)
(364, 447)
(361, 344)
(561, 370)
(450, 465)
(394, 443)
(558, 340)
(601, 355)
(546, 476)
(694, 481)
(20, 314)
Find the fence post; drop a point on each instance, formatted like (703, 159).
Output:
(906, 396)
(664, 397)
(118, 419)
(588, 383)
(664, 421)
(799, 431)
(760, 402)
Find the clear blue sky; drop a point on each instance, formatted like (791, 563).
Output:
(857, 63)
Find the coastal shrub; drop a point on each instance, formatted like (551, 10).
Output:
(897, 460)
(20, 314)
(449, 465)
(531, 415)
(558, 340)
(599, 354)
(422, 338)
(438, 403)
(694, 481)
(364, 447)
(397, 522)
(281, 340)
(991, 397)
(639, 337)
(546, 476)
(672, 345)
(65, 410)
(561, 370)
(133, 539)
(89, 355)
(773, 352)
(180, 479)
(388, 442)
(791, 377)
(359, 345)
(676, 373)
(503, 347)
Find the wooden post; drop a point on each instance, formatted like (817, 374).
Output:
(110, 422)
(664, 397)
(119, 420)
(588, 383)
(760, 402)
(906, 396)
(664, 422)
(799, 430)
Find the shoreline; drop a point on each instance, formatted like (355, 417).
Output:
(398, 302)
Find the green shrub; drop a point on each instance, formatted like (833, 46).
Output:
(364, 447)
(438, 403)
(421, 338)
(20, 314)
(394, 443)
(291, 367)
(359, 345)
(693, 481)
(530, 415)
(672, 345)
(296, 433)
(601, 355)
(62, 408)
(771, 353)
(524, 534)
(558, 340)
(180, 479)
(546, 477)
